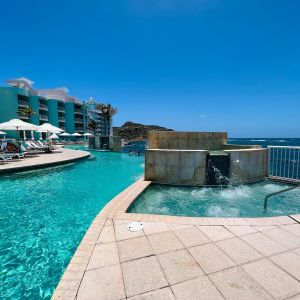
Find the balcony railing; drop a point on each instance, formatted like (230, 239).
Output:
(61, 110)
(284, 163)
(78, 128)
(78, 111)
(61, 119)
(78, 120)
(23, 103)
(43, 107)
(43, 117)
(21, 116)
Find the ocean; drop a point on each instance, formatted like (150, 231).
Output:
(264, 142)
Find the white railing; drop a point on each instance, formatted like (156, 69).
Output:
(23, 103)
(284, 162)
(78, 120)
(43, 107)
(22, 116)
(61, 119)
(43, 117)
(61, 109)
(78, 111)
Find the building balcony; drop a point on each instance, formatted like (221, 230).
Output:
(78, 111)
(43, 117)
(61, 119)
(62, 128)
(23, 117)
(23, 103)
(78, 120)
(61, 110)
(43, 107)
(78, 128)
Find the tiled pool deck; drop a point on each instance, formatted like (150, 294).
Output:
(183, 258)
(57, 157)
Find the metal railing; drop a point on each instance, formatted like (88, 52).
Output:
(78, 111)
(43, 107)
(43, 117)
(279, 192)
(78, 120)
(61, 109)
(23, 103)
(61, 119)
(284, 163)
(22, 116)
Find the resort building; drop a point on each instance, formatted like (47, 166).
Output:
(54, 106)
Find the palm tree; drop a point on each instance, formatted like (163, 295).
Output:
(93, 125)
(108, 111)
(26, 111)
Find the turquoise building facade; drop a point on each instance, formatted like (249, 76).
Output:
(52, 106)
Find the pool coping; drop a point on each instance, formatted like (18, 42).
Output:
(41, 165)
(115, 212)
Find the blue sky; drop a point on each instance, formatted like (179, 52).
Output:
(204, 65)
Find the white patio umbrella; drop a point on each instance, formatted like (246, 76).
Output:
(3, 133)
(53, 136)
(17, 124)
(87, 134)
(65, 134)
(76, 134)
(49, 128)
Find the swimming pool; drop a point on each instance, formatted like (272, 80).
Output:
(234, 201)
(44, 214)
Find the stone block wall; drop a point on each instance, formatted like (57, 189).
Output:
(115, 143)
(182, 167)
(248, 165)
(187, 140)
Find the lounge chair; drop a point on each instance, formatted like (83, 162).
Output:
(5, 158)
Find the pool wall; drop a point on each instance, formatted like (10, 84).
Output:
(180, 158)
(187, 140)
(176, 166)
(247, 165)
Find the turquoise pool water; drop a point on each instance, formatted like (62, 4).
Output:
(44, 214)
(238, 201)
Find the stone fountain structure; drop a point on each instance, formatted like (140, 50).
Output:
(202, 158)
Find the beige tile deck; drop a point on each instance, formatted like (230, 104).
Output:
(103, 283)
(241, 230)
(104, 255)
(191, 237)
(288, 261)
(161, 294)
(134, 248)
(216, 233)
(199, 288)
(179, 266)
(183, 258)
(164, 242)
(210, 258)
(263, 244)
(143, 275)
(238, 250)
(237, 285)
(274, 280)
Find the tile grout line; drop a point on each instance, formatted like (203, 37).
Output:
(122, 272)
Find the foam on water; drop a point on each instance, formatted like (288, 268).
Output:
(239, 201)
